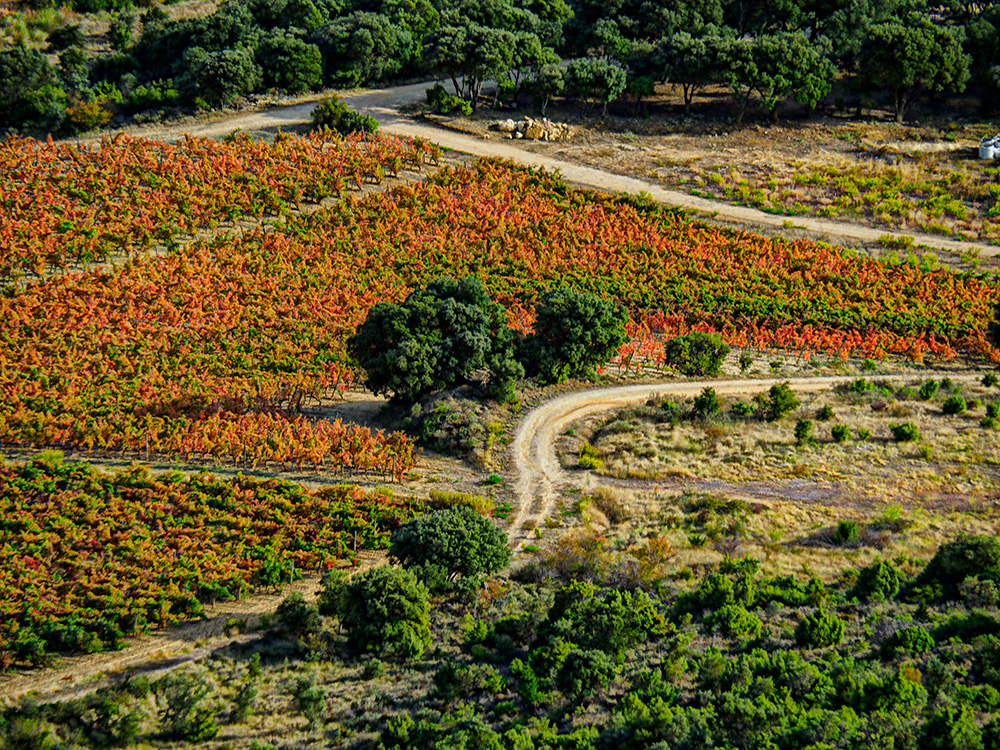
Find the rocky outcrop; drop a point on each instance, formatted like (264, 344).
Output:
(533, 130)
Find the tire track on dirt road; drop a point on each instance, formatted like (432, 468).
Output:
(540, 477)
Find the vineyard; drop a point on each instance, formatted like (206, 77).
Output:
(210, 353)
(70, 205)
(89, 557)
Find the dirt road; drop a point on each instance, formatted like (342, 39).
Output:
(386, 105)
(540, 476)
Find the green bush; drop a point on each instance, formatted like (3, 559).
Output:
(840, 433)
(954, 405)
(218, 78)
(907, 642)
(990, 380)
(183, 716)
(706, 404)
(819, 629)
(735, 622)
(336, 115)
(295, 617)
(696, 354)
(745, 361)
(434, 339)
(824, 413)
(458, 540)
(928, 389)
(951, 728)
(30, 94)
(444, 103)
(780, 400)
(584, 672)
(574, 334)
(906, 432)
(956, 561)
(804, 432)
(876, 582)
(386, 611)
(846, 533)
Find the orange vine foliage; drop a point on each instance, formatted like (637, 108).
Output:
(212, 351)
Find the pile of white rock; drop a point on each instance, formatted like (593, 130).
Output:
(533, 130)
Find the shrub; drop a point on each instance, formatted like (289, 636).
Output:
(610, 504)
(585, 672)
(928, 389)
(824, 413)
(574, 333)
(735, 622)
(911, 641)
(336, 115)
(876, 582)
(459, 540)
(706, 404)
(906, 432)
(745, 361)
(956, 561)
(444, 103)
(804, 431)
(864, 434)
(386, 611)
(65, 37)
(954, 405)
(183, 717)
(840, 433)
(951, 728)
(741, 409)
(780, 401)
(696, 354)
(990, 380)
(295, 617)
(846, 533)
(309, 700)
(819, 629)
(993, 410)
(29, 90)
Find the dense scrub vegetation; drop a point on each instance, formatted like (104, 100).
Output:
(88, 557)
(771, 53)
(589, 647)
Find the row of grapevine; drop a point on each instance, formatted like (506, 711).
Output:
(215, 351)
(88, 557)
(65, 204)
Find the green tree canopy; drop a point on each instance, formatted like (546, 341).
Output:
(29, 90)
(457, 540)
(219, 77)
(595, 79)
(470, 55)
(362, 48)
(574, 333)
(435, 339)
(289, 62)
(907, 57)
(386, 611)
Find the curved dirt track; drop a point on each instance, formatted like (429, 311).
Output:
(540, 476)
(385, 105)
